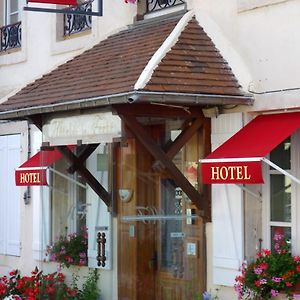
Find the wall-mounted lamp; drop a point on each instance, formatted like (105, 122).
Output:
(125, 194)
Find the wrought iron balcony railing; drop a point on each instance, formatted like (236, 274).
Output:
(10, 36)
(78, 23)
(155, 5)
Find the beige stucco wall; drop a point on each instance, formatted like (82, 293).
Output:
(261, 45)
(41, 52)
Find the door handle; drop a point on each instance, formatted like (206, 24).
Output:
(101, 241)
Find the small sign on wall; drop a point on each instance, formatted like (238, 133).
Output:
(191, 249)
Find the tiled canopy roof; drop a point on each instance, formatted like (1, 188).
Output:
(193, 65)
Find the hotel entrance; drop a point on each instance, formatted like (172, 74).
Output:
(161, 242)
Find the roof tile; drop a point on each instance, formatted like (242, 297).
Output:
(113, 66)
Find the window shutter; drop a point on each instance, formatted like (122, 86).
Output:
(98, 217)
(3, 194)
(10, 195)
(40, 208)
(227, 212)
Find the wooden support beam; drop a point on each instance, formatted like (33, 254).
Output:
(159, 110)
(84, 154)
(184, 137)
(85, 173)
(37, 120)
(144, 138)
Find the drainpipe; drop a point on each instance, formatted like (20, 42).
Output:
(27, 194)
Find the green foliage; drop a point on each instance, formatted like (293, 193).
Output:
(90, 290)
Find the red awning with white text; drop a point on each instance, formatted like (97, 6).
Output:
(33, 171)
(239, 159)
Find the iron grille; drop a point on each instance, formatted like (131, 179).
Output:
(10, 36)
(78, 23)
(154, 5)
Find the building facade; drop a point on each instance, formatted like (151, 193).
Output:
(142, 104)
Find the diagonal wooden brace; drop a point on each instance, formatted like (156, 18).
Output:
(144, 138)
(182, 139)
(84, 154)
(85, 173)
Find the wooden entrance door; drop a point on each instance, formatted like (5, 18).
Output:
(162, 258)
(179, 274)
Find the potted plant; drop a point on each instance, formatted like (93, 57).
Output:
(270, 274)
(70, 250)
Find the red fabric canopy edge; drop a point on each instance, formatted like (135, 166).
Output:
(33, 171)
(255, 140)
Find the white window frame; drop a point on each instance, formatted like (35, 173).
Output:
(295, 188)
(8, 13)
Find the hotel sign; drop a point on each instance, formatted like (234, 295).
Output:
(30, 177)
(241, 172)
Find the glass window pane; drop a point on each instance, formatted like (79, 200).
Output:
(281, 155)
(171, 230)
(13, 19)
(13, 6)
(280, 198)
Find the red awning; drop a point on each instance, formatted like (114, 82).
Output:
(239, 159)
(62, 2)
(33, 171)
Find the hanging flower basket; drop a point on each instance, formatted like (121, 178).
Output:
(270, 274)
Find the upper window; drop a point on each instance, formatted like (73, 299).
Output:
(152, 8)
(10, 30)
(73, 23)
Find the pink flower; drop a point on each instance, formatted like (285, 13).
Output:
(278, 237)
(274, 293)
(296, 258)
(258, 271)
(276, 279)
(263, 281)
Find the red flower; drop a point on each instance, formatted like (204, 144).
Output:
(263, 266)
(239, 279)
(257, 283)
(61, 277)
(13, 272)
(288, 284)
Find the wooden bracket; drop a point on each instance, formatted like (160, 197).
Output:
(144, 138)
(182, 139)
(85, 173)
(85, 152)
(37, 120)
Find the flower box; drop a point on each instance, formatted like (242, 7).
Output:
(271, 274)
